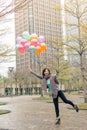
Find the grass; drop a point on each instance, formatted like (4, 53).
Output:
(83, 106)
(51, 101)
(4, 112)
(46, 98)
(2, 103)
(43, 98)
(75, 92)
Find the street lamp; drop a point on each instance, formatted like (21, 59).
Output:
(11, 74)
(4, 80)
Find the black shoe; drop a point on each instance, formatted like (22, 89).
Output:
(76, 108)
(57, 121)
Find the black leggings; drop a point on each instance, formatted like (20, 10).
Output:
(56, 104)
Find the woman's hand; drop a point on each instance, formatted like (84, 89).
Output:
(30, 69)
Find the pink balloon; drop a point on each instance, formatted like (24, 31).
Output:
(26, 46)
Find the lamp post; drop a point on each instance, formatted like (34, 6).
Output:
(11, 74)
(22, 85)
(4, 80)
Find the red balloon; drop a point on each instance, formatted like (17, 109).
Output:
(23, 41)
(21, 49)
(34, 42)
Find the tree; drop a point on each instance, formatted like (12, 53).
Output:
(58, 63)
(7, 52)
(75, 39)
(11, 7)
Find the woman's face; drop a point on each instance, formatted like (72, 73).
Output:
(46, 72)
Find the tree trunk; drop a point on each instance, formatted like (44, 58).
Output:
(85, 96)
(83, 79)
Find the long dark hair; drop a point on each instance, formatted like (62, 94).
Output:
(44, 71)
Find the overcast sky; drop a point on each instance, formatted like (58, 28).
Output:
(8, 38)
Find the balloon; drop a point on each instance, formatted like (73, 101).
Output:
(32, 49)
(31, 43)
(34, 42)
(43, 46)
(26, 35)
(21, 49)
(23, 41)
(18, 40)
(40, 39)
(26, 46)
(38, 50)
(33, 36)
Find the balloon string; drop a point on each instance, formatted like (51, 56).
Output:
(32, 60)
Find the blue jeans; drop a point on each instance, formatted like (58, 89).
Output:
(56, 103)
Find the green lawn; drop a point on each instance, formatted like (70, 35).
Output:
(47, 98)
(4, 111)
(82, 106)
(2, 103)
(75, 92)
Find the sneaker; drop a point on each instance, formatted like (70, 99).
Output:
(76, 108)
(57, 121)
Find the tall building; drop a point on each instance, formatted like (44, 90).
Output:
(37, 16)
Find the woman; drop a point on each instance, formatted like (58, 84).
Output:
(51, 82)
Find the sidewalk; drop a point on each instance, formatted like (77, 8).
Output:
(29, 114)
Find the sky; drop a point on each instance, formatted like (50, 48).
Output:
(8, 39)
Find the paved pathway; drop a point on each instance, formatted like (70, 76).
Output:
(29, 114)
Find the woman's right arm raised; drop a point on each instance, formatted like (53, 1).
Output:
(35, 74)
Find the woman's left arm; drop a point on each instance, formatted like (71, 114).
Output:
(56, 80)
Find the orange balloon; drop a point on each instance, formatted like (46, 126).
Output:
(38, 50)
(43, 46)
(33, 36)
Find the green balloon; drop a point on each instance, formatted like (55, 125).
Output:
(32, 49)
(26, 35)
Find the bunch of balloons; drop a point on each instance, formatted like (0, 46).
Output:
(30, 43)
